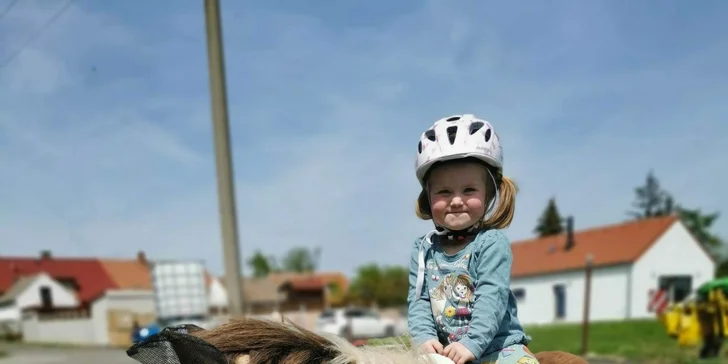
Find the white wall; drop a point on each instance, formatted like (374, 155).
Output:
(609, 295)
(675, 253)
(65, 331)
(9, 313)
(88, 331)
(137, 301)
(217, 294)
(30, 297)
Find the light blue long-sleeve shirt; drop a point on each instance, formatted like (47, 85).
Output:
(465, 297)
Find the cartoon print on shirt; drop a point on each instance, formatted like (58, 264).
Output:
(439, 297)
(458, 308)
(452, 302)
(431, 265)
(463, 295)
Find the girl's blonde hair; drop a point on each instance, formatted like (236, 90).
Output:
(505, 208)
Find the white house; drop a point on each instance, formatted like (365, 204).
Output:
(629, 261)
(109, 321)
(33, 291)
(80, 300)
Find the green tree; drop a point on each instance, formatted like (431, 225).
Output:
(393, 290)
(699, 225)
(550, 221)
(365, 284)
(651, 200)
(300, 260)
(261, 265)
(387, 286)
(721, 270)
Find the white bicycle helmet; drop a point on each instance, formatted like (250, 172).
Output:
(456, 137)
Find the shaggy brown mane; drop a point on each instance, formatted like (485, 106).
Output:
(253, 341)
(269, 342)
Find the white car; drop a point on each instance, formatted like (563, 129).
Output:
(355, 323)
(401, 327)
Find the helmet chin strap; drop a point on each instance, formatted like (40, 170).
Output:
(458, 234)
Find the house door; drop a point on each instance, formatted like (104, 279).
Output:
(560, 301)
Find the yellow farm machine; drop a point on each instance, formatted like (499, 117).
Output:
(700, 319)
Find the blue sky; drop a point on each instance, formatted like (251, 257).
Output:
(106, 144)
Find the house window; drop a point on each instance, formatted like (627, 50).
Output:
(520, 294)
(560, 301)
(46, 299)
(678, 287)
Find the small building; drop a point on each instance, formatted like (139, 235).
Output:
(306, 292)
(86, 278)
(299, 297)
(35, 291)
(630, 261)
(88, 301)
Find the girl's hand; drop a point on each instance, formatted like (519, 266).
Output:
(458, 353)
(431, 346)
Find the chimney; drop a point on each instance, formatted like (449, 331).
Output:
(142, 258)
(569, 233)
(45, 255)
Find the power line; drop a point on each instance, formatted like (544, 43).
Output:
(7, 8)
(37, 33)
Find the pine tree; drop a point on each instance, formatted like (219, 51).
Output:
(651, 200)
(550, 221)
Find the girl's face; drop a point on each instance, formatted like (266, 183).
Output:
(461, 290)
(457, 194)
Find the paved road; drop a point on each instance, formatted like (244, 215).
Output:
(40, 355)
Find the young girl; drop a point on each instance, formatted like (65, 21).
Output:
(460, 302)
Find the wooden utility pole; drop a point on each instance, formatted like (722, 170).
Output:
(587, 304)
(223, 158)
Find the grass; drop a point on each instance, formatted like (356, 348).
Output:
(635, 340)
(640, 341)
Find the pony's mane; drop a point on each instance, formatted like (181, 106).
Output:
(254, 341)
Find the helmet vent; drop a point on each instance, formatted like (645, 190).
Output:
(451, 133)
(475, 126)
(487, 135)
(430, 134)
(453, 118)
(419, 147)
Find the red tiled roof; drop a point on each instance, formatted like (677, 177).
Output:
(334, 277)
(127, 274)
(609, 245)
(89, 274)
